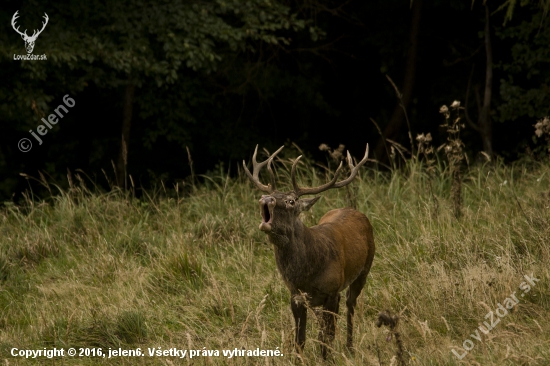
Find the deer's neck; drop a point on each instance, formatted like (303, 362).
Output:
(285, 237)
(298, 255)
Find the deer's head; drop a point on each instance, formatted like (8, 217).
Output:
(29, 40)
(279, 210)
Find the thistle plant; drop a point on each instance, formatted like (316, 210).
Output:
(454, 152)
(391, 321)
(426, 149)
(542, 128)
(338, 155)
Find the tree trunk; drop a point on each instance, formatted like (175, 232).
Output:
(484, 121)
(396, 121)
(126, 124)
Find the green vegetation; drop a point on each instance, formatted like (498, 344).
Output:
(191, 270)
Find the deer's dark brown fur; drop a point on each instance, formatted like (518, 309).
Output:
(319, 262)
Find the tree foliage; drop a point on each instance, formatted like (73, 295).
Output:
(525, 89)
(219, 77)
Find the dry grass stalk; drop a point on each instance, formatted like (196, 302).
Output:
(190, 165)
(402, 150)
(400, 97)
(125, 159)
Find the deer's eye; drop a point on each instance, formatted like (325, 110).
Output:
(291, 202)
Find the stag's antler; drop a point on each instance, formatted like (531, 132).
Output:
(24, 34)
(256, 170)
(43, 26)
(15, 16)
(332, 184)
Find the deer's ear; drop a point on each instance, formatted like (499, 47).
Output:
(307, 203)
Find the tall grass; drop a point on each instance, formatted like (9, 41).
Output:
(89, 269)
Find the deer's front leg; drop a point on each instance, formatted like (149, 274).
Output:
(299, 311)
(328, 323)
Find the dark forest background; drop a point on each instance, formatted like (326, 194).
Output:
(152, 79)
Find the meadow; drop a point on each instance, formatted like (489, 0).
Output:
(186, 267)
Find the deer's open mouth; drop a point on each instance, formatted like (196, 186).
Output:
(267, 203)
(266, 215)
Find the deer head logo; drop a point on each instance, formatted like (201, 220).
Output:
(29, 41)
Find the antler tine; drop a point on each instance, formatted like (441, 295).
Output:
(354, 169)
(302, 191)
(36, 32)
(293, 175)
(13, 19)
(254, 177)
(43, 24)
(256, 167)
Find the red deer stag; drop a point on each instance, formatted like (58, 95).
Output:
(319, 261)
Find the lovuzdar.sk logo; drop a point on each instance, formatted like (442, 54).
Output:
(29, 40)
